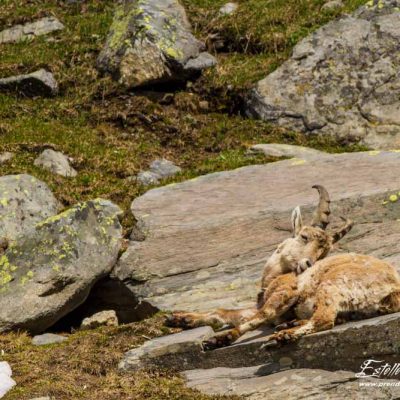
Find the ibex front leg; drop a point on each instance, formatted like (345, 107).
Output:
(217, 319)
(281, 295)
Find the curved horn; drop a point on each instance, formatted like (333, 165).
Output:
(346, 228)
(323, 211)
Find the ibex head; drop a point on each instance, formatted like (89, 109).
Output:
(310, 243)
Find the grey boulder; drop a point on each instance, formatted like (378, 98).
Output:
(38, 83)
(48, 272)
(151, 42)
(202, 244)
(24, 201)
(159, 169)
(343, 80)
(30, 30)
(56, 162)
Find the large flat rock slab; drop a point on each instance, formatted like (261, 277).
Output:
(314, 384)
(345, 347)
(50, 270)
(24, 201)
(203, 243)
(342, 80)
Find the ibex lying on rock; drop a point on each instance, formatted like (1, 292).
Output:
(334, 286)
(308, 244)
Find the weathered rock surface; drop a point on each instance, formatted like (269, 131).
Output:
(47, 338)
(24, 201)
(38, 83)
(148, 178)
(345, 347)
(55, 162)
(159, 169)
(332, 5)
(228, 8)
(6, 156)
(313, 384)
(150, 42)
(203, 243)
(179, 343)
(102, 318)
(29, 31)
(342, 80)
(286, 150)
(49, 271)
(6, 382)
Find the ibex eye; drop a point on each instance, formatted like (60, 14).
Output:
(304, 237)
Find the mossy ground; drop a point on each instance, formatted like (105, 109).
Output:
(112, 134)
(85, 367)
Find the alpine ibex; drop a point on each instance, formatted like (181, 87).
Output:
(333, 287)
(309, 244)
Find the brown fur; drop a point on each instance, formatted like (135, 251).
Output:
(334, 286)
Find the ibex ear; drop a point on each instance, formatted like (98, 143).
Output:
(297, 221)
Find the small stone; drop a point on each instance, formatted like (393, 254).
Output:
(148, 178)
(47, 338)
(55, 162)
(38, 83)
(6, 382)
(204, 105)
(6, 156)
(332, 5)
(30, 30)
(285, 150)
(228, 8)
(164, 168)
(159, 169)
(203, 61)
(102, 318)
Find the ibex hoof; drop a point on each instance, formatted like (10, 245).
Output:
(221, 340)
(179, 320)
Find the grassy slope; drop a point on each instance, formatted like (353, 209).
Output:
(85, 367)
(112, 135)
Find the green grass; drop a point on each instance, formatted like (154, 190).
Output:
(260, 34)
(106, 131)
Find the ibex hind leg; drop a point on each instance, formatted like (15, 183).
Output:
(217, 319)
